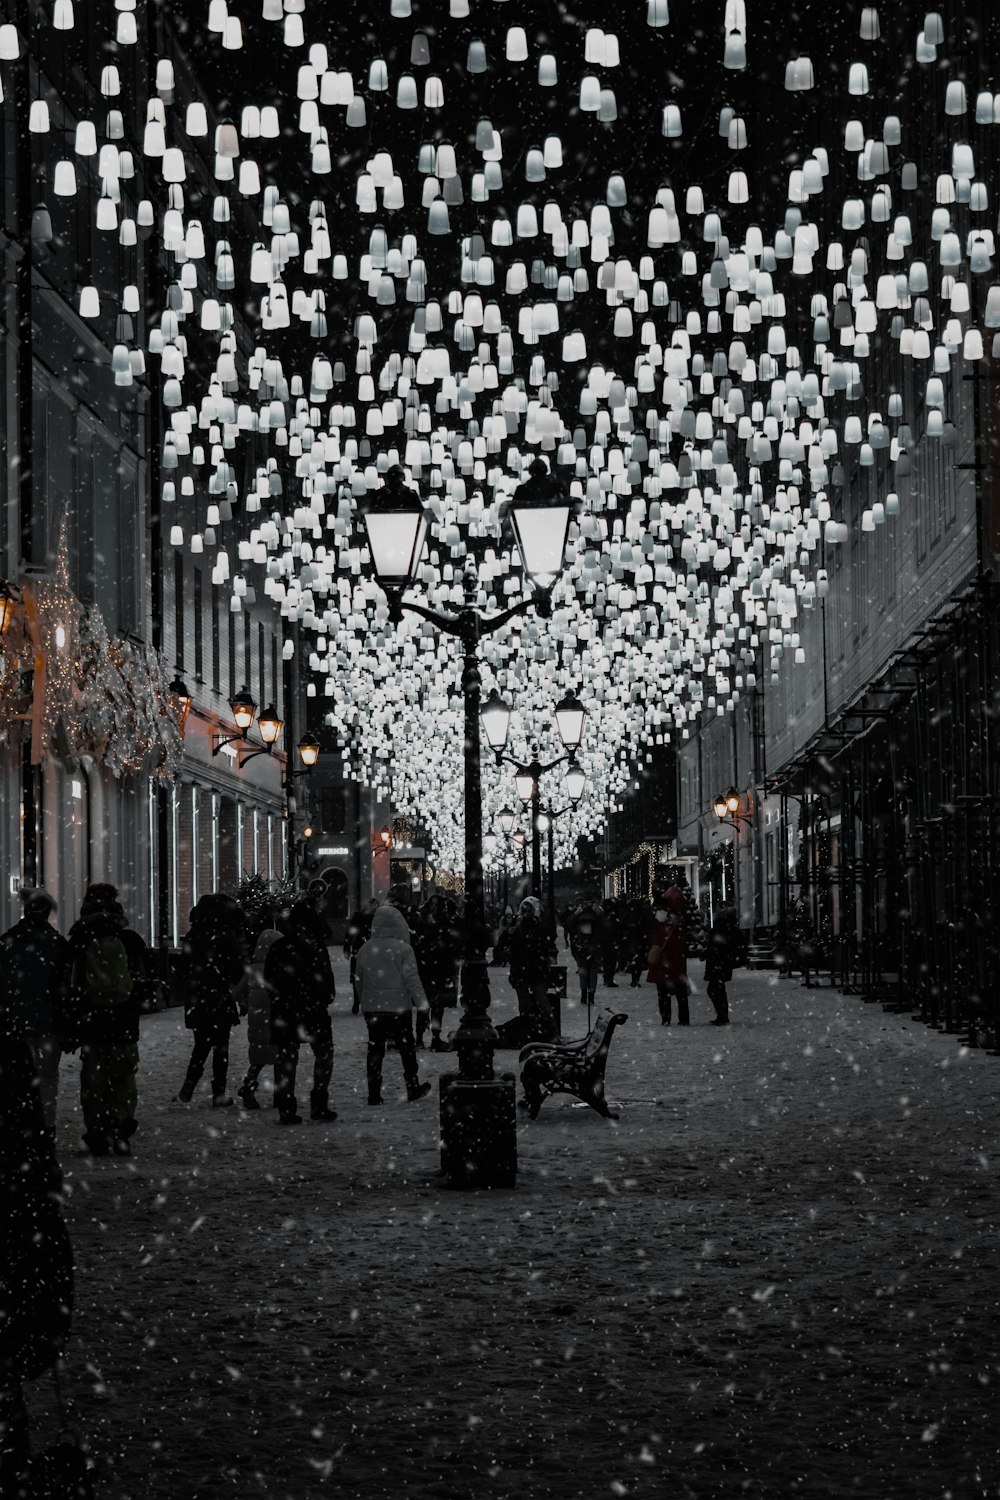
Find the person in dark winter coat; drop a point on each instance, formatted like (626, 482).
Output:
(253, 995)
(34, 983)
(297, 971)
(531, 953)
(105, 996)
(584, 927)
(436, 942)
(36, 1260)
(723, 951)
(359, 930)
(214, 960)
(667, 958)
(389, 987)
(609, 935)
(638, 933)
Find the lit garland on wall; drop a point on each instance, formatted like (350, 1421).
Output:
(91, 695)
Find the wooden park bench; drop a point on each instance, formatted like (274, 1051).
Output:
(570, 1067)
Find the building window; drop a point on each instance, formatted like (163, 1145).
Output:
(199, 610)
(179, 610)
(230, 619)
(332, 809)
(216, 647)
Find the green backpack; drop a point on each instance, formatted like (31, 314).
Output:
(106, 977)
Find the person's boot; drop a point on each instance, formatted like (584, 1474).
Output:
(319, 1108)
(592, 997)
(415, 1091)
(438, 1044)
(288, 1113)
(247, 1092)
(186, 1091)
(96, 1143)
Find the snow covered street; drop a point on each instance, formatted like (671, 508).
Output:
(777, 1274)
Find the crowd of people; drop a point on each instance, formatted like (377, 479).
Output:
(86, 992)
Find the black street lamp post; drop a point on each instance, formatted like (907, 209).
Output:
(539, 514)
(574, 784)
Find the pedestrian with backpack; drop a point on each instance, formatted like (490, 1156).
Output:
(103, 1020)
(214, 956)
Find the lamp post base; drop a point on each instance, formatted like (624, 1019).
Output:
(475, 1038)
(478, 1131)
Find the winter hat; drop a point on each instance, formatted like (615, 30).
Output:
(389, 922)
(37, 902)
(674, 899)
(530, 904)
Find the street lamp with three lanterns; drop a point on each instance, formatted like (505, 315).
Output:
(538, 515)
(570, 716)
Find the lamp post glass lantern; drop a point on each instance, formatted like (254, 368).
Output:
(539, 514)
(570, 715)
(244, 709)
(269, 726)
(495, 715)
(309, 748)
(396, 525)
(524, 782)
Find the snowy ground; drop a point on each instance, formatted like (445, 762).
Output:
(777, 1275)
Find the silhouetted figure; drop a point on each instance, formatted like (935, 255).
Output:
(297, 970)
(253, 995)
(107, 984)
(437, 943)
(723, 952)
(359, 930)
(34, 983)
(214, 960)
(667, 958)
(36, 1261)
(532, 951)
(584, 929)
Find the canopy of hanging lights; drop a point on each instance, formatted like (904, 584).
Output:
(710, 274)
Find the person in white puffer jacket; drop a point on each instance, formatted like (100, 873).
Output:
(388, 986)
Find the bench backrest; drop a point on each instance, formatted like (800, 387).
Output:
(599, 1039)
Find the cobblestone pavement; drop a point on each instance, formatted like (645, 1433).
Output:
(776, 1275)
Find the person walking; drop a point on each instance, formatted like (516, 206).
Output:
(436, 941)
(720, 960)
(297, 972)
(214, 960)
(609, 943)
(34, 981)
(531, 954)
(389, 988)
(36, 1261)
(107, 982)
(584, 928)
(501, 948)
(359, 930)
(253, 996)
(667, 958)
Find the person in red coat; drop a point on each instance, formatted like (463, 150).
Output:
(667, 959)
